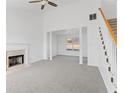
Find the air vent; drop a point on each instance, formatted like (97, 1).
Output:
(92, 16)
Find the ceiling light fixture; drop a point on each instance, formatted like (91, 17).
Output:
(44, 2)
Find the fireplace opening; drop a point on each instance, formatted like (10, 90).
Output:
(15, 60)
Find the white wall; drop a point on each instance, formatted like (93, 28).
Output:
(109, 8)
(93, 40)
(84, 42)
(48, 44)
(54, 45)
(24, 27)
(75, 15)
(72, 15)
(103, 65)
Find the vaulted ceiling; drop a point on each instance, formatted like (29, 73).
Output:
(110, 8)
(24, 5)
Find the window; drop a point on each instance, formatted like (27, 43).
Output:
(72, 44)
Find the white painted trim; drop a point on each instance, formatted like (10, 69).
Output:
(81, 49)
(33, 61)
(50, 45)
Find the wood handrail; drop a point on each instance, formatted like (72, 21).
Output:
(109, 27)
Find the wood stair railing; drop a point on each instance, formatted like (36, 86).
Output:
(109, 27)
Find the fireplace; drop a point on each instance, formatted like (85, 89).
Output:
(15, 60)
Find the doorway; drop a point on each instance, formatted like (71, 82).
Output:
(67, 43)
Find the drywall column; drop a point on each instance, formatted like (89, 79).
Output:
(81, 48)
(50, 45)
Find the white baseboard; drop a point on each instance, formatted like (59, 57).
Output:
(36, 60)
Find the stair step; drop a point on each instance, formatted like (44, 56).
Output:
(113, 23)
(115, 32)
(111, 20)
(114, 26)
(114, 29)
(114, 19)
(116, 35)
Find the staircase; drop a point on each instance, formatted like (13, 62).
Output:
(108, 43)
(113, 24)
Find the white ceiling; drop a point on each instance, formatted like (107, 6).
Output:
(24, 5)
(110, 8)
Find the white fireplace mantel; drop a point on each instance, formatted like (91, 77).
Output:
(19, 46)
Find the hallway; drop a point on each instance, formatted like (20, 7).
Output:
(61, 75)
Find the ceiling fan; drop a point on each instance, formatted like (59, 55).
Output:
(43, 3)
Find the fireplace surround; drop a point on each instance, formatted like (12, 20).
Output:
(15, 49)
(15, 58)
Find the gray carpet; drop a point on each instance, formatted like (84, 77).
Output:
(62, 75)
